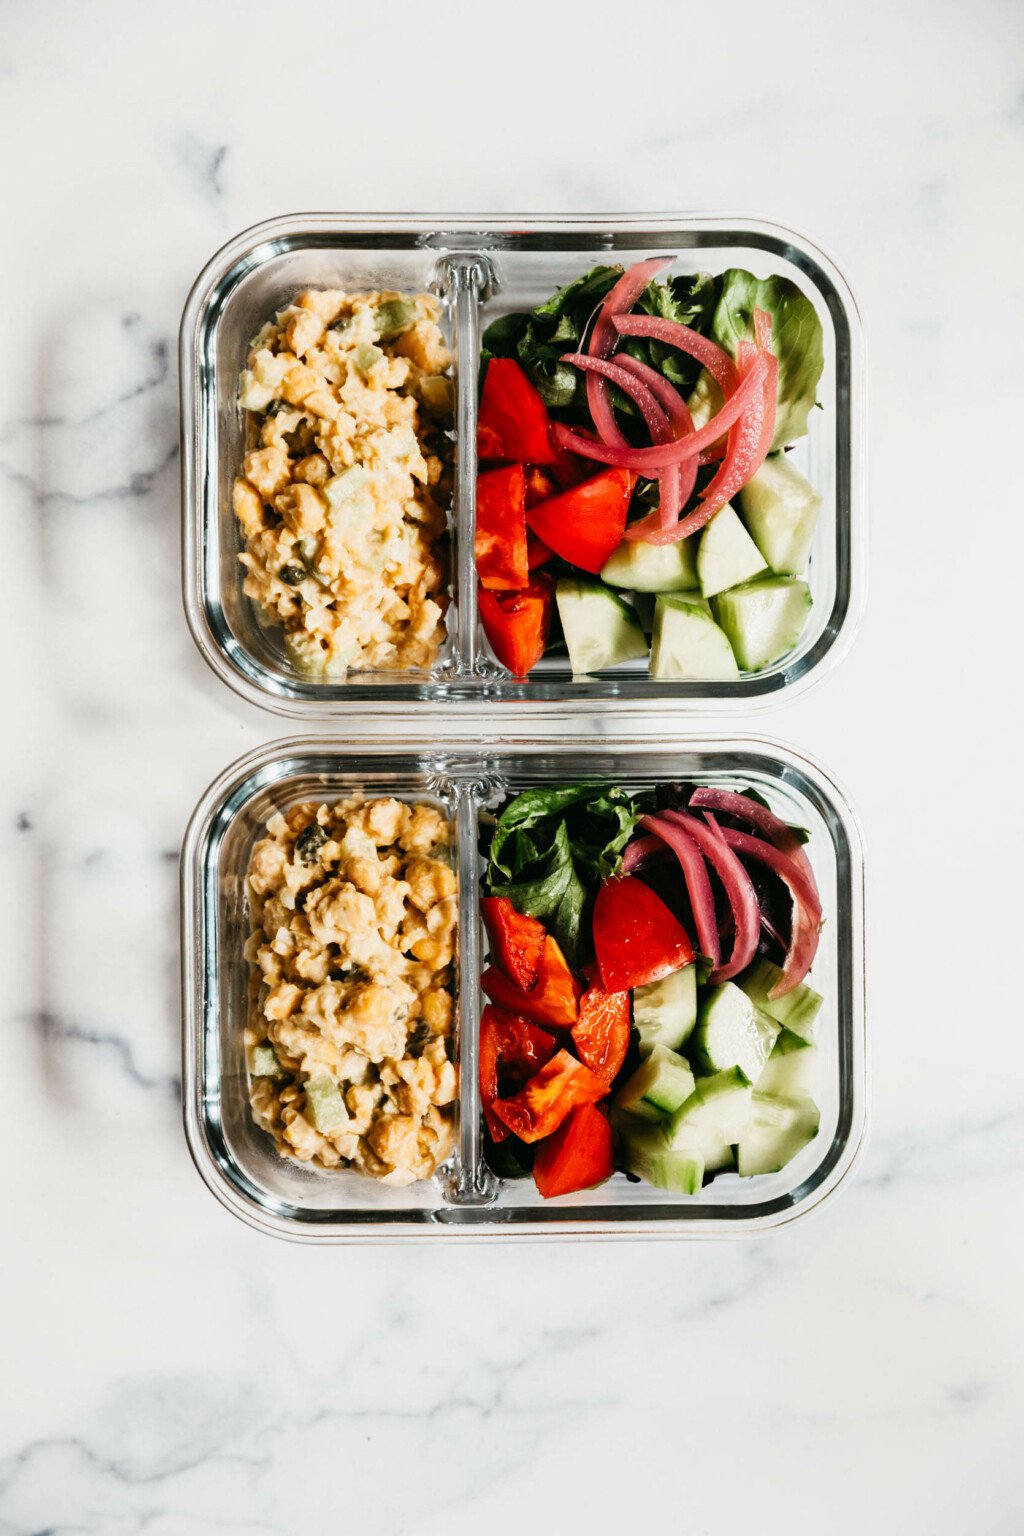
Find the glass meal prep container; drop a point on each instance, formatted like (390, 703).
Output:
(462, 778)
(481, 268)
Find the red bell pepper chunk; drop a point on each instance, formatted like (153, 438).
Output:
(554, 997)
(601, 1033)
(516, 1046)
(516, 940)
(512, 423)
(537, 552)
(584, 525)
(636, 937)
(501, 558)
(576, 1156)
(568, 469)
(541, 484)
(540, 1107)
(517, 623)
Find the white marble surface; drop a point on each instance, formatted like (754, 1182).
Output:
(165, 1369)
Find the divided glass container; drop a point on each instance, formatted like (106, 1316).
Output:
(481, 268)
(465, 777)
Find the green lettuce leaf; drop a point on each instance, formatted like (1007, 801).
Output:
(530, 809)
(550, 889)
(573, 305)
(551, 849)
(796, 341)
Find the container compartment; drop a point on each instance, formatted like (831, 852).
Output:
(238, 1161)
(230, 629)
(483, 268)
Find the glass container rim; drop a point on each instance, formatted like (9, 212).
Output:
(218, 1173)
(232, 662)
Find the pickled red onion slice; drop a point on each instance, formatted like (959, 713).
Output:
(695, 874)
(620, 297)
(806, 922)
(739, 889)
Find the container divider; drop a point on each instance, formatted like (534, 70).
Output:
(471, 1181)
(466, 278)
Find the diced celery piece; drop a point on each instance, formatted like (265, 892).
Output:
(392, 317)
(366, 356)
(263, 1061)
(325, 1104)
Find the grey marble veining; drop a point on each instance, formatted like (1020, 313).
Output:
(168, 1372)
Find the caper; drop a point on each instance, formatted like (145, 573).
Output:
(309, 842)
(294, 575)
(418, 1037)
(300, 438)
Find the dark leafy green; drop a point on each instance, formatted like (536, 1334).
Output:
(538, 338)
(572, 306)
(688, 300)
(551, 848)
(550, 889)
(511, 1158)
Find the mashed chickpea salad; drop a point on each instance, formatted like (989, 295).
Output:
(349, 1041)
(343, 493)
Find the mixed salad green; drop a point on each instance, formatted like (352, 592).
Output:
(551, 847)
(539, 339)
(635, 499)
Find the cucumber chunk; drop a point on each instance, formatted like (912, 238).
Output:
(664, 1012)
(263, 1061)
(643, 604)
(706, 400)
(727, 555)
(732, 1032)
(658, 1086)
(716, 1114)
(688, 644)
(652, 567)
(718, 1159)
(778, 1130)
(764, 619)
(646, 1154)
(791, 1069)
(797, 1010)
(780, 508)
(600, 629)
(681, 1172)
(325, 1105)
